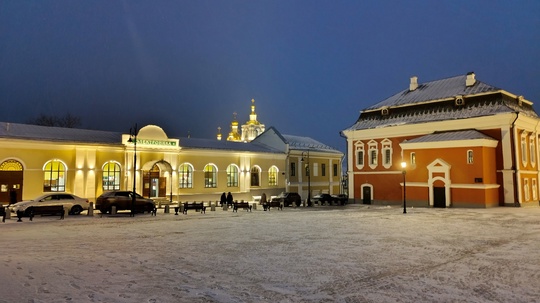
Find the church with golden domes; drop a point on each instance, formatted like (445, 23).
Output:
(249, 131)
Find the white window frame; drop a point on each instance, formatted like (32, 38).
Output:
(360, 154)
(532, 149)
(386, 148)
(373, 151)
(470, 156)
(315, 169)
(413, 159)
(524, 148)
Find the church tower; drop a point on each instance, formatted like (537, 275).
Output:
(252, 128)
(234, 135)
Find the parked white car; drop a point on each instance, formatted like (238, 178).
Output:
(74, 204)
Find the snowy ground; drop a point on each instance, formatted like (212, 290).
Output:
(323, 254)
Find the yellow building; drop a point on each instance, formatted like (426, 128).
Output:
(37, 159)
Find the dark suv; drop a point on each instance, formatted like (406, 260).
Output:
(287, 198)
(122, 199)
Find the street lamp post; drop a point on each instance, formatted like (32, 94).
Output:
(404, 166)
(308, 176)
(133, 139)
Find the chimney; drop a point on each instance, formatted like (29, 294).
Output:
(470, 79)
(414, 83)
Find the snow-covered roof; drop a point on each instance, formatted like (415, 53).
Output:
(435, 90)
(197, 143)
(36, 132)
(469, 134)
(306, 143)
(434, 101)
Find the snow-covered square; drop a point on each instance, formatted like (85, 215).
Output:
(356, 253)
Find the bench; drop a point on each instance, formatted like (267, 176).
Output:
(268, 205)
(195, 206)
(42, 210)
(3, 213)
(244, 205)
(142, 209)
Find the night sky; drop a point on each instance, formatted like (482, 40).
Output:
(311, 66)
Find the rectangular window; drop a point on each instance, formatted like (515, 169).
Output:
(413, 158)
(335, 170)
(373, 157)
(470, 157)
(360, 158)
(387, 156)
(293, 169)
(323, 169)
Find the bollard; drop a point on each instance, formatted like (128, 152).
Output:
(113, 210)
(303, 203)
(212, 206)
(254, 206)
(225, 206)
(8, 213)
(90, 211)
(167, 209)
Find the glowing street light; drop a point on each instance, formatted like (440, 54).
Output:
(404, 166)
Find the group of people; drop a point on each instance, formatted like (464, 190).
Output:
(226, 199)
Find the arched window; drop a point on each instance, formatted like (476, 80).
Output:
(232, 176)
(111, 176)
(185, 175)
(273, 176)
(54, 178)
(210, 176)
(470, 157)
(255, 176)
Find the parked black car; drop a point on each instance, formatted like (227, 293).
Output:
(342, 198)
(287, 198)
(122, 199)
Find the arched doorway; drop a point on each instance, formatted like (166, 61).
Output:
(11, 180)
(155, 180)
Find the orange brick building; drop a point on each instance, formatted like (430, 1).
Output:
(464, 143)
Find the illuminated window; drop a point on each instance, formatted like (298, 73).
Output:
(185, 175)
(111, 176)
(210, 176)
(232, 176)
(413, 159)
(54, 176)
(255, 176)
(470, 157)
(273, 176)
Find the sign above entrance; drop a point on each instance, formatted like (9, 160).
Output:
(152, 136)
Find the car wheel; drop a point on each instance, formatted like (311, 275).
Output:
(76, 210)
(27, 211)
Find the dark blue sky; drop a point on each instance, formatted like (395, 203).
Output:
(310, 65)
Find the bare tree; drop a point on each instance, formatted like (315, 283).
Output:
(68, 121)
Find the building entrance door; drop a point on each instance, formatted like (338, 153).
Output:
(439, 197)
(366, 195)
(11, 181)
(154, 184)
